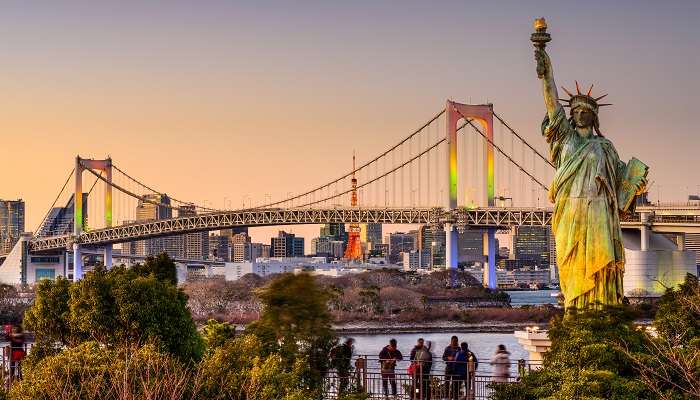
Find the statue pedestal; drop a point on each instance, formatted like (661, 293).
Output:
(536, 342)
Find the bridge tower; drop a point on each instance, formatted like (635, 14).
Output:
(353, 251)
(106, 167)
(482, 113)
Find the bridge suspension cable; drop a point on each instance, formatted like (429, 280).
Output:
(545, 159)
(469, 121)
(161, 193)
(39, 227)
(368, 163)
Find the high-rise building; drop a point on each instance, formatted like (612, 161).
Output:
(60, 219)
(287, 245)
(532, 245)
(196, 245)
(470, 246)
(220, 247)
(241, 248)
(372, 235)
(152, 207)
(431, 242)
(321, 246)
(11, 223)
(258, 250)
(401, 242)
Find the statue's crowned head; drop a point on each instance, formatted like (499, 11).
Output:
(584, 108)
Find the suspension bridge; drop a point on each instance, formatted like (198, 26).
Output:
(465, 167)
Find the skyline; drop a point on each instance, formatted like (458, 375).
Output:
(246, 92)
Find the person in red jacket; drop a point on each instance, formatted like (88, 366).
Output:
(17, 352)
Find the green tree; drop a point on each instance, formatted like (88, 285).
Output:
(161, 267)
(669, 366)
(49, 317)
(119, 307)
(295, 323)
(215, 334)
(585, 360)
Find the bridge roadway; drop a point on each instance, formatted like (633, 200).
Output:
(661, 219)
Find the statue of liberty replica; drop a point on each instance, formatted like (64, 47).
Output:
(590, 190)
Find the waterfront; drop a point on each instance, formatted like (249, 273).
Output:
(519, 298)
(482, 344)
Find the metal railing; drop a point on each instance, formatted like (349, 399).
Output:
(10, 368)
(422, 384)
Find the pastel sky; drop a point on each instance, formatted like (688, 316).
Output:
(210, 100)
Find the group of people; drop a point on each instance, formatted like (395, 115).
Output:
(460, 366)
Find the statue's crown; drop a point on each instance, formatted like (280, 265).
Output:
(586, 100)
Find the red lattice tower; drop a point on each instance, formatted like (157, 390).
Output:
(354, 249)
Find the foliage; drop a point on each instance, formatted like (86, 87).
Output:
(585, 360)
(239, 370)
(117, 307)
(669, 366)
(49, 317)
(296, 324)
(91, 371)
(160, 267)
(215, 334)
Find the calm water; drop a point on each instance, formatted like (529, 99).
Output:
(482, 344)
(532, 297)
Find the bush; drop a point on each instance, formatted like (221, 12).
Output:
(91, 371)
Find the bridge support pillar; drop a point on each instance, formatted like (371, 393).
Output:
(451, 255)
(77, 263)
(644, 231)
(108, 256)
(490, 277)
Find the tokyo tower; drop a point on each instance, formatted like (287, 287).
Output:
(353, 251)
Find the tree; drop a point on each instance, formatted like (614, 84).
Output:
(296, 324)
(669, 366)
(215, 334)
(119, 307)
(160, 267)
(49, 317)
(585, 360)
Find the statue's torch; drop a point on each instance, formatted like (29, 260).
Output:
(540, 38)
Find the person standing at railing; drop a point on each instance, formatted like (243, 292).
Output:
(501, 365)
(341, 356)
(17, 352)
(388, 358)
(424, 363)
(451, 379)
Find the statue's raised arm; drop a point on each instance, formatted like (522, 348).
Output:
(549, 87)
(544, 67)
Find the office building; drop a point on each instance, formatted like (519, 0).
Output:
(401, 242)
(11, 223)
(60, 219)
(371, 234)
(287, 245)
(470, 246)
(532, 245)
(220, 247)
(417, 260)
(432, 243)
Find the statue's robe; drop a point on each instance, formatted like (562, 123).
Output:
(586, 222)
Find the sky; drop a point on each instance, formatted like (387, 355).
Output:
(220, 101)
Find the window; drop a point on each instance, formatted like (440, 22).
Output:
(45, 259)
(45, 273)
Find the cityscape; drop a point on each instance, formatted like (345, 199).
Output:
(394, 219)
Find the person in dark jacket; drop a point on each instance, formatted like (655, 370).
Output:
(461, 367)
(448, 356)
(341, 356)
(388, 358)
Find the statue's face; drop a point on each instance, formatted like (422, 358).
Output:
(583, 117)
